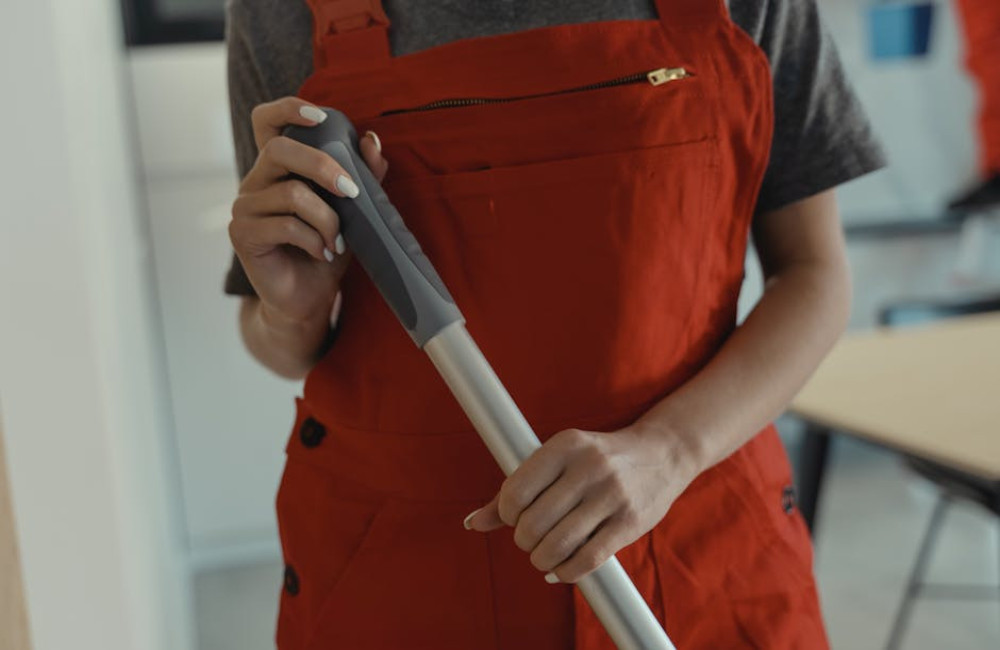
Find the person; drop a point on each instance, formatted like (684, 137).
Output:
(585, 177)
(980, 22)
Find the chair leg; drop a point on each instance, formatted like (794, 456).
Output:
(917, 573)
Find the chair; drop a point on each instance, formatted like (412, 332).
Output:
(952, 484)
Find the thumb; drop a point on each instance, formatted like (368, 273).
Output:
(486, 518)
(371, 151)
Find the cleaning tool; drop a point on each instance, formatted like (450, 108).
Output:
(392, 258)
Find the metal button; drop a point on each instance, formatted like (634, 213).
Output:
(311, 432)
(291, 580)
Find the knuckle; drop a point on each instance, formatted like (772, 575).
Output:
(565, 544)
(598, 462)
(508, 514)
(528, 531)
(238, 209)
(509, 506)
(629, 517)
(297, 195)
(257, 113)
(235, 232)
(568, 439)
(326, 166)
(274, 147)
(542, 559)
(523, 538)
(590, 558)
(553, 550)
(289, 227)
(266, 152)
(616, 489)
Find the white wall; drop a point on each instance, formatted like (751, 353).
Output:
(231, 415)
(81, 370)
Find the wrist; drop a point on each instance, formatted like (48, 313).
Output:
(281, 323)
(301, 335)
(682, 450)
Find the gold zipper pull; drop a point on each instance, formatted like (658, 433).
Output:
(663, 75)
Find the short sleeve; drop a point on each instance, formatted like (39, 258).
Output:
(268, 55)
(822, 136)
(246, 90)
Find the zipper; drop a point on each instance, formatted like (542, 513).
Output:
(656, 77)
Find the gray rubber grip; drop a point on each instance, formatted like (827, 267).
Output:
(376, 234)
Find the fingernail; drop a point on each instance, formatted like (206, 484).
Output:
(339, 245)
(374, 137)
(347, 186)
(335, 310)
(327, 254)
(312, 113)
(551, 578)
(469, 517)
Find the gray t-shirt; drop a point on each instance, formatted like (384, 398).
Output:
(822, 137)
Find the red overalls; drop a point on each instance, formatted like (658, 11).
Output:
(594, 238)
(981, 25)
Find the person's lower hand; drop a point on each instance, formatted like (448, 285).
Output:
(286, 237)
(585, 495)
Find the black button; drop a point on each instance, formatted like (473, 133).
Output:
(788, 499)
(291, 580)
(311, 432)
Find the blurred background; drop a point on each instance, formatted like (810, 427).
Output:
(143, 446)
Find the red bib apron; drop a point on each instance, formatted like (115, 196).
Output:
(592, 229)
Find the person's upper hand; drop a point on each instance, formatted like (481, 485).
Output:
(286, 237)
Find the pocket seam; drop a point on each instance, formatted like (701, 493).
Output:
(350, 567)
(482, 181)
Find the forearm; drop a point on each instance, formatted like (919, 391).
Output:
(760, 368)
(289, 348)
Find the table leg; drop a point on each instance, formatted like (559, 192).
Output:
(812, 466)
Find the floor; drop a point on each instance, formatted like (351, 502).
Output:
(869, 528)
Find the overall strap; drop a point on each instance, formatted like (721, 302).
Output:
(349, 35)
(678, 13)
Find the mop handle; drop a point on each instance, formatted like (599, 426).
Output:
(391, 256)
(377, 236)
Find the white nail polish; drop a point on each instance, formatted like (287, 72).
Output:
(468, 518)
(335, 310)
(551, 578)
(339, 245)
(312, 113)
(327, 254)
(374, 137)
(347, 186)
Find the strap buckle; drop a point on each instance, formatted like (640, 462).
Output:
(338, 16)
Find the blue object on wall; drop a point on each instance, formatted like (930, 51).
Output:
(900, 29)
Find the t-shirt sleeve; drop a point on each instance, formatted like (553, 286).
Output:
(246, 90)
(822, 137)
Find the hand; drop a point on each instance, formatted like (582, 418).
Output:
(583, 496)
(287, 238)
